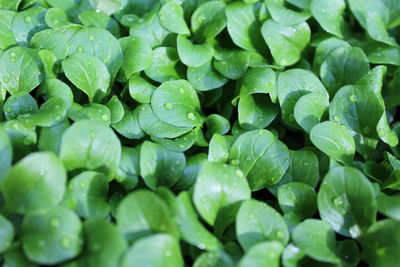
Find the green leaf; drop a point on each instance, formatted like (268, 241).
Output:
(6, 233)
(192, 168)
(292, 85)
(257, 256)
(19, 104)
(286, 42)
(43, 178)
(343, 66)
(374, 18)
(389, 205)
(92, 111)
(256, 111)
(106, 6)
(350, 105)
(208, 20)
(257, 222)
(88, 191)
(50, 137)
(258, 80)
(140, 89)
(216, 124)
(87, 73)
(23, 138)
(149, 27)
(286, 16)
(53, 40)
(334, 140)
(28, 22)
(20, 69)
(342, 198)
(298, 198)
(143, 213)
(243, 27)
(10, 4)
(56, 18)
(90, 145)
(216, 258)
(381, 243)
(101, 44)
(228, 186)
(116, 109)
(160, 250)
(137, 54)
(171, 18)
(154, 127)
(191, 229)
(262, 158)
(180, 143)
(163, 66)
(310, 109)
(329, 14)
(160, 166)
(205, 77)
(6, 152)
(7, 38)
(50, 113)
(317, 239)
(129, 126)
(91, 18)
(193, 55)
(219, 148)
(52, 237)
(113, 245)
(233, 64)
(176, 103)
(379, 53)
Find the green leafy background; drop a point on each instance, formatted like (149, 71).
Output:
(171, 133)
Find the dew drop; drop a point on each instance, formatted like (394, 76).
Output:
(168, 106)
(93, 134)
(15, 126)
(65, 242)
(352, 98)
(81, 49)
(201, 246)
(55, 223)
(13, 54)
(28, 19)
(234, 162)
(82, 184)
(381, 132)
(167, 253)
(181, 90)
(105, 117)
(279, 234)
(336, 118)
(239, 173)
(304, 85)
(91, 37)
(191, 116)
(58, 118)
(90, 62)
(6, 79)
(261, 132)
(337, 201)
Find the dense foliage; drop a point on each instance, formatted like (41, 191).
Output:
(171, 133)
